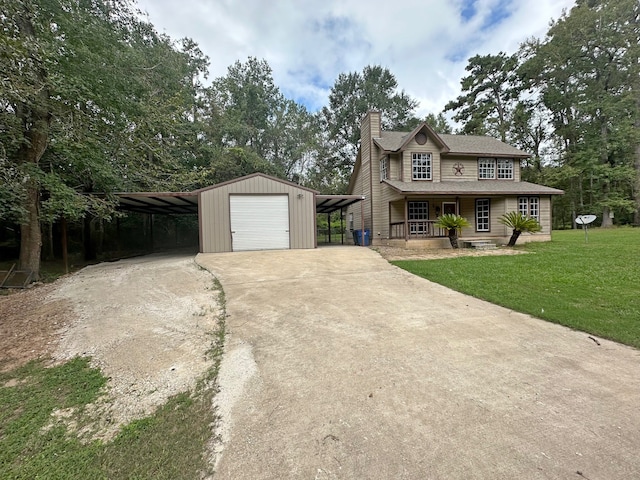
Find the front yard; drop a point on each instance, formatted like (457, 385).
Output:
(593, 287)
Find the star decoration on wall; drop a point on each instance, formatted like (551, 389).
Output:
(458, 169)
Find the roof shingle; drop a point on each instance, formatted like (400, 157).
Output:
(480, 187)
(458, 144)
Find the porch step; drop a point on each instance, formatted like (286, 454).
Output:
(479, 244)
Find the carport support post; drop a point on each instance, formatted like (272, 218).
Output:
(151, 231)
(63, 242)
(329, 226)
(362, 222)
(341, 226)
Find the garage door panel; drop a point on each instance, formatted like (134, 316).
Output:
(259, 222)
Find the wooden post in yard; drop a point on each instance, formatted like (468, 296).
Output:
(329, 226)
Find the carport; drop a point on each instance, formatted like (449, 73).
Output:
(255, 212)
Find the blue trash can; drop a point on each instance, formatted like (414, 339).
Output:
(358, 240)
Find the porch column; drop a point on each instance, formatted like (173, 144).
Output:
(406, 220)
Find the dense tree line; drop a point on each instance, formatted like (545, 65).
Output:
(571, 99)
(94, 99)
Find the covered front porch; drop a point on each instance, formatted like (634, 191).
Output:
(414, 218)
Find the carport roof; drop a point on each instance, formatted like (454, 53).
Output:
(159, 202)
(187, 202)
(331, 203)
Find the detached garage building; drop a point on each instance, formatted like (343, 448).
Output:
(256, 212)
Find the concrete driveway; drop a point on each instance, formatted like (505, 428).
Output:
(339, 365)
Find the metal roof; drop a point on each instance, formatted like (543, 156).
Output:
(331, 203)
(159, 202)
(187, 202)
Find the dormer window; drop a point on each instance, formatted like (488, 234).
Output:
(492, 168)
(384, 168)
(421, 166)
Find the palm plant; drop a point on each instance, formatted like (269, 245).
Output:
(519, 223)
(452, 223)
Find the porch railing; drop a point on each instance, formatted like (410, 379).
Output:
(417, 229)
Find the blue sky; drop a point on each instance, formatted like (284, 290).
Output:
(308, 43)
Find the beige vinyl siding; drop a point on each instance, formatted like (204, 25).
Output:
(215, 220)
(470, 172)
(388, 195)
(545, 214)
(517, 167)
(496, 210)
(367, 169)
(395, 166)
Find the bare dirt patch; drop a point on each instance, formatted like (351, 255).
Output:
(392, 254)
(148, 323)
(30, 325)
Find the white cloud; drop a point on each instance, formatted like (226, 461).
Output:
(309, 43)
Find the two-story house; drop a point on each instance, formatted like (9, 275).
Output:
(410, 178)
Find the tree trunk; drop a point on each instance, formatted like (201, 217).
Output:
(515, 234)
(453, 238)
(607, 221)
(36, 119)
(31, 234)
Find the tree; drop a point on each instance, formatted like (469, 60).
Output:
(587, 72)
(439, 123)
(253, 114)
(248, 98)
(91, 99)
(351, 97)
(452, 223)
(488, 93)
(519, 223)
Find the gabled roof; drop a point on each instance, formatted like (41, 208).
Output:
(476, 187)
(247, 177)
(472, 145)
(477, 145)
(397, 141)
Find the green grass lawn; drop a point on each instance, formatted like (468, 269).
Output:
(593, 287)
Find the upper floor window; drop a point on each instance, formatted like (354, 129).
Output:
(486, 168)
(491, 168)
(421, 166)
(505, 168)
(384, 168)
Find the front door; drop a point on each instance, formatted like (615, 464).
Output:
(449, 207)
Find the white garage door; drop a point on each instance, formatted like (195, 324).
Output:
(259, 222)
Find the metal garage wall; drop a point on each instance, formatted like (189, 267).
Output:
(215, 220)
